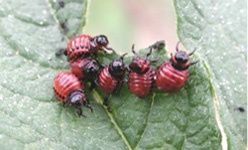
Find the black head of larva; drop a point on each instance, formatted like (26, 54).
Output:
(101, 40)
(181, 57)
(77, 99)
(140, 65)
(92, 69)
(118, 68)
(180, 60)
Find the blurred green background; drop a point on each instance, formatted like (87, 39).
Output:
(126, 22)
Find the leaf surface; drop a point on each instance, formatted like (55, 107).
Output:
(218, 31)
(31, 118)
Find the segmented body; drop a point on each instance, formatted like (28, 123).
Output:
(141, 84)
(106, 82)
(169, 79)
(79, 47)
(79, 67)
(64, 84)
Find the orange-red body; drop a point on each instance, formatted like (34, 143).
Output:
(83, 46)
(107, 82)
(172, 75)
(64, 84)
(79, 46)
(169, 79)
(141, 84)
(85, 68)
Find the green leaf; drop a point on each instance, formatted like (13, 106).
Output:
(184, 120)
(217, 30)
(31, 118)
(70, 14)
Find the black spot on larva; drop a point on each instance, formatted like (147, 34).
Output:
(61, 3)
(241, 109)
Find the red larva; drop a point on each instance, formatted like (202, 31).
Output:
(86, 69)
(84, 45)
(141, 76)
(141, 84)
(111, 77)
(168, 79)
(69, 90)
(173, 75)
(106, 82)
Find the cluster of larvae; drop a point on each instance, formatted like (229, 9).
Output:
(140, 76)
